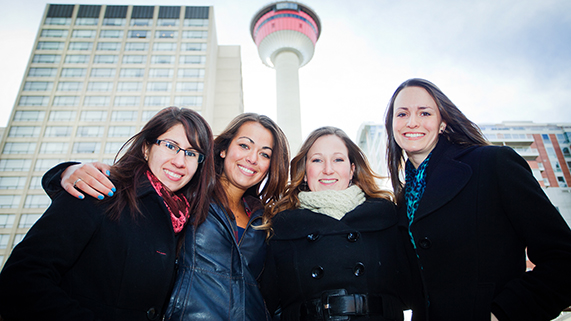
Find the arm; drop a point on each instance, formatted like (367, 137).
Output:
(73, 176)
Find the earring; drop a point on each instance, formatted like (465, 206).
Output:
(146, 158)
(350, 183)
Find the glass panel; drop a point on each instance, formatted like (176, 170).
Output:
(15, 165)
(77, 59)
(29, 115)
(38, 86)
(70, 86)
(58, 131)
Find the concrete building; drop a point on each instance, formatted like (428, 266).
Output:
(285, 33)
(96, 74)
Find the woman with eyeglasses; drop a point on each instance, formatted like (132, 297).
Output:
(115, 259)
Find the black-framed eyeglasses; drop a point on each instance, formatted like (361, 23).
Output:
(173, 149)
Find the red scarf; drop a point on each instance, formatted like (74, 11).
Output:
(176, 204)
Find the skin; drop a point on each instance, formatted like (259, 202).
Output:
(416, 123)
(328, 166)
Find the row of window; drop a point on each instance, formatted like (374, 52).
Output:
(26, 220)
(113, 59)
(118, 34)
(111, 72)
(42, 164)
(61, 148)
(87, 115)
(66, 131)
(106, 100)
(32, 201)
(116, 46)
(57, 21)
(122, 86)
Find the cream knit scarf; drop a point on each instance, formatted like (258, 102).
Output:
(332, 203)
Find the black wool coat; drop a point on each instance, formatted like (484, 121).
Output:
(77, 264)
(310, 253)
(480, 210)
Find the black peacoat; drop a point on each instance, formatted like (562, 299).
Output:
(310, 253)
(77, 264)
(480, 210)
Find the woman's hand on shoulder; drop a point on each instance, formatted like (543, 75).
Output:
(90, 178)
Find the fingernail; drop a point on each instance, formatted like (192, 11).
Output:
(100, 197)
(110, 193)
(81, 197)
(113, 189)
(108, 172)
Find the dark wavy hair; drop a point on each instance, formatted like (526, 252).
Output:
(459, 130)
(363, 176)
(131, 166)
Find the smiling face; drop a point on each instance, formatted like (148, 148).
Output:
(327, 165)
(416, 123)
(247, 158)
(174, 171)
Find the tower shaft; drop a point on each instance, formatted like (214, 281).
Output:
(286, 64)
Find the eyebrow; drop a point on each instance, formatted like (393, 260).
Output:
(253, 142)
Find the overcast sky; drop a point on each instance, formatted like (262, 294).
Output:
(498, 60)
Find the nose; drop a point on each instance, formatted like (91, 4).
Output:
(327, 167)
(179, 160)
(412, 121)
(252, 157)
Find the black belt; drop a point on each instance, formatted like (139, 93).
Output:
(339, 306)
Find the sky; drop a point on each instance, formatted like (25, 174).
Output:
(497, 60)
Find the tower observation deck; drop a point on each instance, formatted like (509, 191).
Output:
(285, 33)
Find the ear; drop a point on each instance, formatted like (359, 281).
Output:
(223, 154)
(352, 169)
(146, 151)
(442, 127)
(305, 178)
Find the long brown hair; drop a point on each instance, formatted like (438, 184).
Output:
(275, 181)
(459, 129)
(131, 166)
(363, 176)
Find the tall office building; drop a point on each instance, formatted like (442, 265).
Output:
(96, 74)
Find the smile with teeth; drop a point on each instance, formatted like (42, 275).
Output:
(413, 135)
(172, 174)
(328, 181)
(247, 170)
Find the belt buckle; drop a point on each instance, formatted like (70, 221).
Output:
(326, 306)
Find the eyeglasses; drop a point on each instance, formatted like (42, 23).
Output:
(173, 149)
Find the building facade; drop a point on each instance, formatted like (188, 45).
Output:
(96, 74)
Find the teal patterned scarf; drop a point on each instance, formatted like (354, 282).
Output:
(414, 189)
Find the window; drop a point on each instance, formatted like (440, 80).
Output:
(191, 60)
(121, 131)
(168, 22)
(130, 86)
(90, 131)
(103, 72)
(164, 59)
(27, 220)
(132, 72)
(24, 131)
(62, 115)
(111, 34)
(134, 59)
(106, 59)
(124, 115)
(46, 59)
(136, 46)
(164, 46)
(159, 86)
(93, 115)
(157, 100)
(114, 21)
(11, 182)
(195, 22)
(96, 101)
(188, 101)
(193, 34)
(15, 165)
(86, 21)
(70, 86)
(37, 201)
(141, 22)
(83, 33)
(148, 114)
(4, 237)
(58, 131)
(54, 33)
(77, 59)
(43, 164)
(29, 115)
(86, 147)
(53, 148)
(192, 46)
(19, 148)
(34, 101)
(545, 138)
(550, 151)
(109, 46)
(189, 86)
(113, 147)
(50, 45)
(38, 86)
(42, 72)
(36, 181)
(161, 73)
(166, 34)
(66, 101)
(7, 221)
(73, 72)
(87, 46)
(141, 34)
(126, 101)
(190, 73)
(99, 86)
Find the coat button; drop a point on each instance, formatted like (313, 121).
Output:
(425, 243)
(359, 269)
(313, 237)
(152, 314)
(317, 272)
(352, 236)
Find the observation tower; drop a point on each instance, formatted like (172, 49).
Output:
(285, 33)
